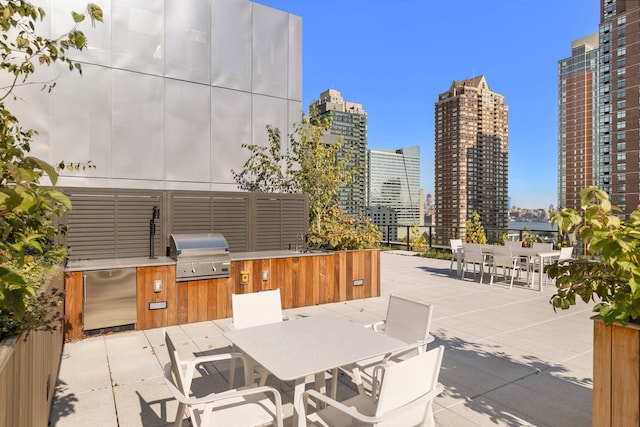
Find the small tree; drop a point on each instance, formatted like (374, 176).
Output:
(418, 241)
(312, 167)
(475, 230)
(613, 277)
(26, 208)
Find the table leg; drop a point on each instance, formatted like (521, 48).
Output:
(298, 389)
(541, 272)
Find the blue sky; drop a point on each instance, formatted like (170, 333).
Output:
(395, 58)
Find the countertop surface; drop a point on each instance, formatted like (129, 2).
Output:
(113, 263)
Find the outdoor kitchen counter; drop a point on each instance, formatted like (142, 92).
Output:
(247, 256)
(112, 263)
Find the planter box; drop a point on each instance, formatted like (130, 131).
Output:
(616, 374)
(29, 366)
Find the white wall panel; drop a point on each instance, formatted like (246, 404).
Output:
(266, 110)
(30, 105)
(170, 91)
(231, 44)
(81, 119)
(230, 128)
(98, 36)
(187, 40)
(187, 139)
(138, 126)
(270, 51)
(294, 115)
(294, 80)
(138, 36)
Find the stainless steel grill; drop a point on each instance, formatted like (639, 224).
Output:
(200, 256)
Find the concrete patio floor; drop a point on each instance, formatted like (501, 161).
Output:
(510, 360)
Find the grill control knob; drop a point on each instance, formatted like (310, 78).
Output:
(194, 270)
(213, 267)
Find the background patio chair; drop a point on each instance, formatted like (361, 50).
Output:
(247, 406)
(255, 309)
(472, 254)
(504, 259)
(408, 321)
(456, 248)
(513, 243)
(403, 394)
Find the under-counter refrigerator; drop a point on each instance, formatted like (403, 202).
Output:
(109, 298)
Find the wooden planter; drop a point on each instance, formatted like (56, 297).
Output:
(616, 374)
(29, 366)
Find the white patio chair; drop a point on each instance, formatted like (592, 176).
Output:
(566, 253)
(255, 309)
(513, 243)
(247, 406)
(472, 254)
(504, 259)
(403, 394)
(456, 249)
(408, 321)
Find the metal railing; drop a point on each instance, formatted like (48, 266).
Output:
(437, 238)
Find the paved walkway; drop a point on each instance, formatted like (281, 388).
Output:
(509, 359)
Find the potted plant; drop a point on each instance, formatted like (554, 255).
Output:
(30, 282)
(611, 278)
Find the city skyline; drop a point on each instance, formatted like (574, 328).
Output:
(395, 62)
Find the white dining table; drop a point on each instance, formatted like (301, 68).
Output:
(296, 349)
(542, 255)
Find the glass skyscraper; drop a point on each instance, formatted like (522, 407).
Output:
(394, 181)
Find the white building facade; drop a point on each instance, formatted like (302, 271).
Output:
(169, 92)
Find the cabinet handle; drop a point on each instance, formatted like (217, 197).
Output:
(84, 288)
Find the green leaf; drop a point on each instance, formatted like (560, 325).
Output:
(77, 17)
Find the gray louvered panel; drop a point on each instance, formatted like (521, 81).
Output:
(190, 214)
(134, 215)
(268, 233)
(231, 219)
(91, 226)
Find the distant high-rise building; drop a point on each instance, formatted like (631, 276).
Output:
(386, 219)
(394, 181)
(616, 157)
(577, 122)
(471, 157)
(349, 122)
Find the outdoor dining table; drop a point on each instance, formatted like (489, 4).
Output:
(295, 349)
(542, 255)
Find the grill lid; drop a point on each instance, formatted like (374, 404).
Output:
(200, 244)
(200, 256)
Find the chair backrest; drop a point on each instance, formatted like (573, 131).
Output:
(543, 246)
(456, 244)
(513, 243)
(502, 256)
(175, 365)
(403, 382)
(472, 247)
(408, 320)
(565, 253)
(257, 308)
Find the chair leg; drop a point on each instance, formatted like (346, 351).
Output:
(179, 415)
(232, 372)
